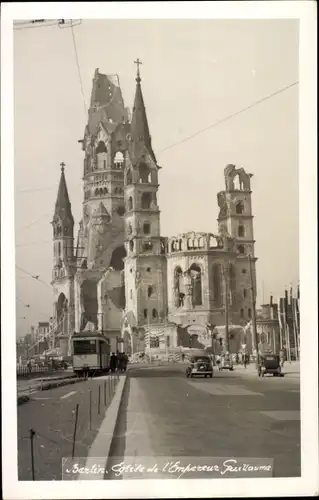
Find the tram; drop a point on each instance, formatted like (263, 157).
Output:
(91, 353)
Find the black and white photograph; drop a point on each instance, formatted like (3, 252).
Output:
(159, 285)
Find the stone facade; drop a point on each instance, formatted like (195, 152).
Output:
(123, 275)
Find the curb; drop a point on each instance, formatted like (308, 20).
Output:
(24, 398)
(103, 440)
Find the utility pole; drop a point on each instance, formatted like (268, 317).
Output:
(226, 270)
(253, 303)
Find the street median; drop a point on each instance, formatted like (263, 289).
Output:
(101, 446)
(24, 397)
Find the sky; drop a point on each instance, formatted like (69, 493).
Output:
(194, 74)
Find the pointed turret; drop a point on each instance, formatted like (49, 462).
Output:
(62, 212)
(140, 134)
(63, 224)
(101, 212)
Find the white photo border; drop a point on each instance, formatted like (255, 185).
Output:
(308, 483)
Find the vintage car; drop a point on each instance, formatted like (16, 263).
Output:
(200, 365)
(226, 363)
(269, 363)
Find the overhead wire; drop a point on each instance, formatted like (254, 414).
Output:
(44, 23)
(222, 120)
(29, 306)
(218, 122)
(33, 243)
(34, 27)
(78, 68)
(36, 277)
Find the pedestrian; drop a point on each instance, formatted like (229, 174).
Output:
(282, 358)
(245, 357)
(113, 362)
(125, 361)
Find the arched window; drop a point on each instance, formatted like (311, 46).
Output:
(121, 210)
(146, 200)
(117, 259)
(129, 178)
(237, 186)
(201, 242)
(145, 313)
(217, 285)
(189, 243)
(196, 279)
(242, 313)
(148, 269)
(195, 243)
(249, 313)
(149, 291)
(105, 191)
(144, 173)
(119, 160)
(101, 148)
(59, 249)
(240, 208)
(129, 228)
(115, 191)
(241, 249)
(154, 314)
(101, 192)
(244, 293)
(241, 231)
(130, 203)
(180, 245)
(146, 228)
(131, 245)
(96, 192)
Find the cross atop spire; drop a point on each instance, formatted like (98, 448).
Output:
(140, 134)
(63, 206)
(138, 62)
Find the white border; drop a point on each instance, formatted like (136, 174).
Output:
(308, 484)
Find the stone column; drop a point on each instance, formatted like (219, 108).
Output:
(188, 302)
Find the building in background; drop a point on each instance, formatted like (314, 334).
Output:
(41, 337)
(278, 325)
(122, 274)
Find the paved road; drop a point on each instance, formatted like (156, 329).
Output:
(52, 415)
(234, 414)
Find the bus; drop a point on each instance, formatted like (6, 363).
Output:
(90, 353)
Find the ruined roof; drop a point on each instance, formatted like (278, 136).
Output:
(62, 205)
(140, 134)
(107, 105)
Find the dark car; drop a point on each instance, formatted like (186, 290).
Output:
(200, 365)
(270, 363)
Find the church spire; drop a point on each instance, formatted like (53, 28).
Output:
(62, 210)
(140, 134)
